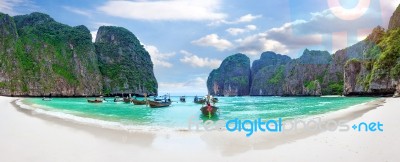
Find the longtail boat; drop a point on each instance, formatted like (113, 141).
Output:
(182, 99)
(138, 102)
(96, 100)
(154, 104)
(209, 110)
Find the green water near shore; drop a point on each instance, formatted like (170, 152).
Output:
(178, 114)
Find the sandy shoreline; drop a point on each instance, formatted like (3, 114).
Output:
(26, 136)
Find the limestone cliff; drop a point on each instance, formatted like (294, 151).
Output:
(272, 74)
(125, 65)
(369, 67)
(377, 71)
(232, 78)
(268, 74)
(40, 56)
(303, 76)
(394, 21)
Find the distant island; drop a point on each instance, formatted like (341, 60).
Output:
(368, 68)
(41, 57)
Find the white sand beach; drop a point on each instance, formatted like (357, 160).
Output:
(28, 136)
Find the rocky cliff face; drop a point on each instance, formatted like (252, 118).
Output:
(272, 74)
(39, 57)
(124, 63)
(394, 21)
(47, 58)
(232, 78)
(370, 67)
(267, 74)
(334, 79)
(303, 76)
(8, 40)
(375, 72)
(397, 93)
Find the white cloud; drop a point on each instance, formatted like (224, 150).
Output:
(9, 6)
(198, 81)
(292, 37)
(258, 43)
(195, 10)
(243, 19)
(324, 29)
(247, 18)
(281, 40)
(78, 11)
(196, 61)
(159, 59)
(213, 40)
(190, 87)
(237, 31)
(251, 27)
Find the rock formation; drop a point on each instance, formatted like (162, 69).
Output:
(268, 74)
(303, 76)
(125, 65)
(369, 67)
(41, 57)
(232, 78)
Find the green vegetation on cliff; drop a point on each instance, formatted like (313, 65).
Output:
(52, 56)
(40, 56)
(335, 88)
(311, 85)
(374, 72)
(124, 63)
(388, 60)
(278, 76)
(232, 78)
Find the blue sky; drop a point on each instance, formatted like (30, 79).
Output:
(189, 38)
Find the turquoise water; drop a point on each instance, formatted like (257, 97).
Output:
(178, 114)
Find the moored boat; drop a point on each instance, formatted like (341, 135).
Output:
(199, 100)
(209, 110)
(154, 104)
(96, 100)
(139, 102)
(182, 99)
(162, 98)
